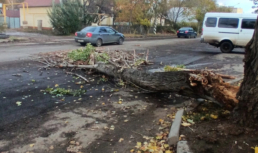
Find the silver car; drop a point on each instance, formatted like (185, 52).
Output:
(98, 35)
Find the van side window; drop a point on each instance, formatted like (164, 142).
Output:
(248, 23)
(211, 22)
(228, 22)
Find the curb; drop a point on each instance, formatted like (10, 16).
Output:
(173, 136)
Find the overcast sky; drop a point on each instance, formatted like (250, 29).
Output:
(246, 5)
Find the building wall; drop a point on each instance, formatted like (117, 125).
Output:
(107, 21)
(237, 10)
(34, 14)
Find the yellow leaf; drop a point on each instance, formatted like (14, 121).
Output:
(103, 103)
(166, 145)
(186, 124)
(121, 139)
(56, 85)
(159, 137)
(139, 144)
(214, 116)
(132, 150)
(168, 151)
(203, 118)
(81, 87)
(31, 145)
(161, 121)
(120, 102)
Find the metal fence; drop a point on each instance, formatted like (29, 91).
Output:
(138, 29)
(135, 29)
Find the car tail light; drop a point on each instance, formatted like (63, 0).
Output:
(89, 34)
(186, 31)
(75, 34)
(177, 31)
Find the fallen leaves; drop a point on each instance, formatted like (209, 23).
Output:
(19, 103)
(121, 139)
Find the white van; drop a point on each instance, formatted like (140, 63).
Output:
(228, 30)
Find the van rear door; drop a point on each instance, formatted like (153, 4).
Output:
(246, 31)
(228, 28)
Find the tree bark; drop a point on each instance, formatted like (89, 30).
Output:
(247, 111)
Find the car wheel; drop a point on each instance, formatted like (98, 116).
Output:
(120, 41)
(189, 36)
(178, 37)
(99, 43)
(226, 47)
(83, 44)
(194, 36)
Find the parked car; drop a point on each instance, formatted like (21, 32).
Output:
(99, 35)
(186, 32)
(228, 30)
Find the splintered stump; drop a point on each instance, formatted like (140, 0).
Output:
(198, 84)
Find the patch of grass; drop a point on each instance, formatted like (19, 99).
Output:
(168, 68)
(60, 92)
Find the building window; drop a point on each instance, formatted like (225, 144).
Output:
(248, 23)
(211, 22)
(228, 22)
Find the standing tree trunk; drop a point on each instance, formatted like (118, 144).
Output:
(247, 111)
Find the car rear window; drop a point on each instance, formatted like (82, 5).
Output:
(89, 29)
(228, 22)
(184, 29)
(248, 23)
(211, 22)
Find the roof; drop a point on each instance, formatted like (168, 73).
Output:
(41, 3)
(231, 15)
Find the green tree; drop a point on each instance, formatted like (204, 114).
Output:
(70, 17)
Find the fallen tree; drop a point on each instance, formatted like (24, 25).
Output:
(125, 65)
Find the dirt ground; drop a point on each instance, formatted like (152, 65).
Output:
(96, 121)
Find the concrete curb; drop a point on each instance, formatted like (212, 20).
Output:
(173, 136)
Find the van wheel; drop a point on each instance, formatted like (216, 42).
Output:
(226, 47)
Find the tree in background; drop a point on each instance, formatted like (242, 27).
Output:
(71, 16)
(137, 12)
(198, 8)
(177, 9)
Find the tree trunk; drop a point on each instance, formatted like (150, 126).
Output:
(197, 84)
(247, 111)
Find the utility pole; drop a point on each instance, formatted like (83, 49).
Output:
(155, 17)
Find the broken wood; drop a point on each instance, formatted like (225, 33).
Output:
(78, 76)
